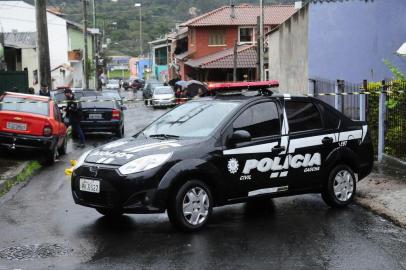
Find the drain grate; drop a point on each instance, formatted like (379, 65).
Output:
(27, 252)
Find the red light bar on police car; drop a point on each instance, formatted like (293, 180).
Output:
(243, 85)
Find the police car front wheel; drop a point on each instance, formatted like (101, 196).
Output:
(341, 187)
(191, 206)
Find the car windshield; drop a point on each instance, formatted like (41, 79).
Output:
(113, 81)
(20, 104)
(114, 95)
(163, 90)
(88, 104)
(193, 119)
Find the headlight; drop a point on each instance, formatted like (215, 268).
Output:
(144, 163)
(81, 160)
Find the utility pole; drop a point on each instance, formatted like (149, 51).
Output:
(95, 49)
(139, 5)
(85, 50)
(235, 62)
(43, 45)
(257, 34)
(261, 41)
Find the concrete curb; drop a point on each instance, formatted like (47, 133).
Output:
(380, 210)
(20, 174)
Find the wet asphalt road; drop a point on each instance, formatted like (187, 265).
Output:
(41, 228)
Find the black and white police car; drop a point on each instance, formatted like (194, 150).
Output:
(225, 149)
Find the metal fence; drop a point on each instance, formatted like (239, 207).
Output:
(348, 104)
(395, 121)
(383, 106)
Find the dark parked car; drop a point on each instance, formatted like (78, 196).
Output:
(59, 97)
(137, 84)
(227, 149)
(101, 116)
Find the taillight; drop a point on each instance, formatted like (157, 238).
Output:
(116, 115)
(47, 131)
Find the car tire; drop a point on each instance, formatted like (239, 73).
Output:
(64, 146)
(51, 156)
(120, 132)
(340, 188)
(195, 214)
(110, 213)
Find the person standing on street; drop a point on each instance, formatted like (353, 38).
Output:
(44, 91)
(74, 115)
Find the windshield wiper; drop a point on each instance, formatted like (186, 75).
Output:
(165, 136)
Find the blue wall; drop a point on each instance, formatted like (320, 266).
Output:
(142, 64)
(348, 40)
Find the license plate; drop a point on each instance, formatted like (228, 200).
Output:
(89, 185)
(16, 126)
(95, 116)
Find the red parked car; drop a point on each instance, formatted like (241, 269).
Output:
(34, 123)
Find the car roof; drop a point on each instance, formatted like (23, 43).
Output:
(248, 96)
(28, 96)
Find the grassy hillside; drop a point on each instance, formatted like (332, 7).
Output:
(120, 19)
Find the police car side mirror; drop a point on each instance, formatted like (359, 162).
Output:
(239, 136)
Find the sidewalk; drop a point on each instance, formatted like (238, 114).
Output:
(13, 171)
(384, 192)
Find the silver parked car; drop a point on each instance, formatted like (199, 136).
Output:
(113, 84)
(163, 96)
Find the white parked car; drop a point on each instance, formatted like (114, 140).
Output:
(113, 84)
(163, 96)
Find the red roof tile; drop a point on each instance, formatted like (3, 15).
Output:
(247, 58)
(244, 15)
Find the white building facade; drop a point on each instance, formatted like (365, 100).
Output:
(18, 16)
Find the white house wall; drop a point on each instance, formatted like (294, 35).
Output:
(20, 16)
(288, 54)
(29, 61)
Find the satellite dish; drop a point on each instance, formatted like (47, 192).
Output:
(402, 50)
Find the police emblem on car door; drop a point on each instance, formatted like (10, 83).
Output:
(253, 155)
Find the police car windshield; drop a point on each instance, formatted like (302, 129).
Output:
(192, 119)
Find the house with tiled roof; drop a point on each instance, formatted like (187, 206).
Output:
(208, 54)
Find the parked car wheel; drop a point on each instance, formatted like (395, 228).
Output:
(120, 132)
(191, 206)
(110, 213)
(340, 188)
(63, 148)
(51, 156)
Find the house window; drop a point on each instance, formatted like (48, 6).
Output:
(192, 37)
(217, 37)
(246, 35)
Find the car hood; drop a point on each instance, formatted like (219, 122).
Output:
(125, 150)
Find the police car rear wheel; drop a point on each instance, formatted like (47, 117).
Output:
(191, 206)
(341, 187)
